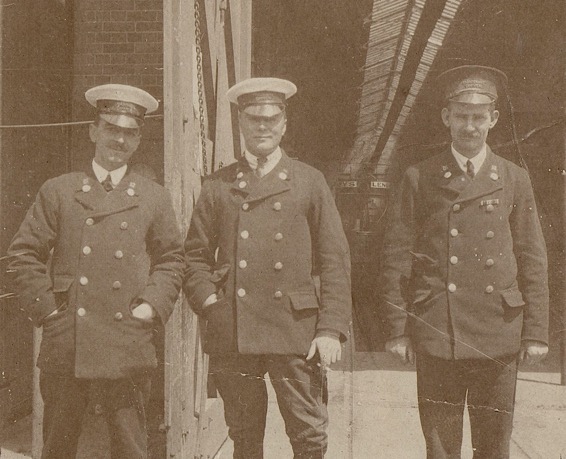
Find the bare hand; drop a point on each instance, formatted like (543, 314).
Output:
(402, 348)
(143, 311)
(329, 350)
(532, 352)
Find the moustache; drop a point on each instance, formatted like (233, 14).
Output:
(118, 148)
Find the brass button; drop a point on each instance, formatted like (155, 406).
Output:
(245, 206)
(489, 262)
(98, 409)
(130, 192)
(456, 207)
(243, 264)
(490, 235)
(245, 234)
(242, 184)
(117, 285)
(451, 288)
(489, 208)
(489, 289)
(278, 294)
(86, 188)
(87, 250)
(119, 254)
(89, 221)
(124, 225)
(118, 316)
(83, 280)
(241, 293)
(277, 206)
(278, 266)
(454, 232)
(81, 312)
(453, 260)
(278, 236)
(240, 175)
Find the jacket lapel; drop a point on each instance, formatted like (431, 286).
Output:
(90, 193)
(244, 178)
(449, 176)
(487, 180)
(275, 182)
(452, 179)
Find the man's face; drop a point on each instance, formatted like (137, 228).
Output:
(469, 125)
(114, 145)
(262, 134)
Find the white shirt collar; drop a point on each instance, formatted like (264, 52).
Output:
(116, 175)
(271, 160)
(477, 160)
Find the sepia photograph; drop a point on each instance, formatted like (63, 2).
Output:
(282, 229)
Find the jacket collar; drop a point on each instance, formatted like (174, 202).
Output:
(487, 180)
(90, 193)
(276, 181)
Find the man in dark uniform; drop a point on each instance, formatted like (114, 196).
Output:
(464, 276)
(257, 227)
(115, 271)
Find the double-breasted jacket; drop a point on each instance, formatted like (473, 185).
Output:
(259, 244)
(466, 259)
(111, 251)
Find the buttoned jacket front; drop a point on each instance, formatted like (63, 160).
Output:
(467, 259)
(257, 244)
(110, 252)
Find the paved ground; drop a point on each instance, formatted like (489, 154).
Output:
(373, 415)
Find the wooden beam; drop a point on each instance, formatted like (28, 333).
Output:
(182, 178)
(195, 425)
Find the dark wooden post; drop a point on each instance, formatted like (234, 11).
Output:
(562, 295)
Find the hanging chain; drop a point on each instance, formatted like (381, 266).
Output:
(200, 87)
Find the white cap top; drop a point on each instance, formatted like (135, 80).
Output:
(122, 105)
(285, 88)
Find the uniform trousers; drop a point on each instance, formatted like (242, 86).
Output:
(487, 387)
(122, 402)
(300, 386)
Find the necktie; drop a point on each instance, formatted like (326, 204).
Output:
(470, 169)
(107, 183)
(260, 169)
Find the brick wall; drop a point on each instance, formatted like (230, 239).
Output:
(118, 41)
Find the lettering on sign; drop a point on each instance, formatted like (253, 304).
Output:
(376, 184)
(349, 184)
